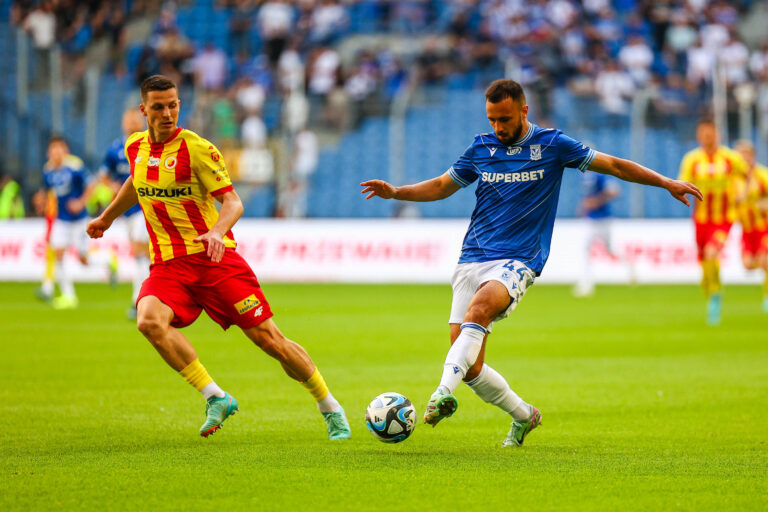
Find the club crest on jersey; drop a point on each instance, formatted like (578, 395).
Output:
(247, 304)
(154, 162)
(513, 150)
(535, 151)
(170, 162)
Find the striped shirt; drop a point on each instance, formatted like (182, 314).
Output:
(176, 182)
(752, 191)
(716, 175)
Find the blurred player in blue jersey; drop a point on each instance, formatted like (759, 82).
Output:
(599, 190)
(116, 165)
(519, 169)
(66, 177)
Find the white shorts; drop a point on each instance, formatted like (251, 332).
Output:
(137, 228)
(65, 233)
(468, 277)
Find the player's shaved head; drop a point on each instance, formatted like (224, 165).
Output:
(502, 89)
(133, 121)
(156, 83)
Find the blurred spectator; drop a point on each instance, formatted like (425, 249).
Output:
(758, 62)
(329, 19)
(614, 87)
(210, 67)
(700, 65)
(290, 69)
(41, 26)
(637, 57)
(275, 20)
(734, 57)
(432, 63)
(306, 151)
(173, 49)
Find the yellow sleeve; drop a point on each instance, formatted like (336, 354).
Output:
(739, 164)
(686, 167)
(208, 164)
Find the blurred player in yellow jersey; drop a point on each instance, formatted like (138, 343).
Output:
(715, 170)
(752, 198)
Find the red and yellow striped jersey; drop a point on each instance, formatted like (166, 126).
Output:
(176, 182)
(716, 176)
(752, 191)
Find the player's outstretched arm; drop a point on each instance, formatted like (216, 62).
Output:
(430, 190)
(628, 170)
(123, 200)
(231, 210)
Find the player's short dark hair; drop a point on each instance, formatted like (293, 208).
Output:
(707, 120)
(502, 89)
(156, 83)
(56, 138)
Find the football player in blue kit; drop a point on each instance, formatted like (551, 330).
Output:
(116, 165)
(599, 191)
(66, 176)
(519, 169)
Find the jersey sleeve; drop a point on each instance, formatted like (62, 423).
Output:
(109, 164)
(573, 153)
(686, 168)
(463, 171)
(208, 164)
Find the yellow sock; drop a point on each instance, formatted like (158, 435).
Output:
(316, 386)
(710, 282)
(50, 263)
(196, 374)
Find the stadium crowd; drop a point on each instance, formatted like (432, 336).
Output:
(304, 55)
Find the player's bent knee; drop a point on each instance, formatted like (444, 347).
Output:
(152, 327)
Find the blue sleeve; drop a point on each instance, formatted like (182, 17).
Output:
(109, 165)
(573, 153)
(464, 172)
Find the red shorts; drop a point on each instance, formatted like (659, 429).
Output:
(228, 291)
(754, 242)
(710, 233)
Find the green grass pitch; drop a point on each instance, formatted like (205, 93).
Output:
(644, 407)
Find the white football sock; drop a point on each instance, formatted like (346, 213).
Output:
(491, 387)
(462, 356)
(66, 287)
(212, 389)
(140, 273)
(47, 287)
(329, 404)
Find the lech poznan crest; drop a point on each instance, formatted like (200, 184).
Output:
(535, 151)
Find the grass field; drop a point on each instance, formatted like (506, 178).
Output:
(644, 407)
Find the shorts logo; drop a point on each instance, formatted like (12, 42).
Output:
(247, 304)
(258, 311)
(535, 151)
(512, 151)
(170, 162)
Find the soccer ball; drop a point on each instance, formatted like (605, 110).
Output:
(390, 417)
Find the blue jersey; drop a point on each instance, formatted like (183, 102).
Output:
(517, 192)
(116, 165)
(596, 184)
(68, 182)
